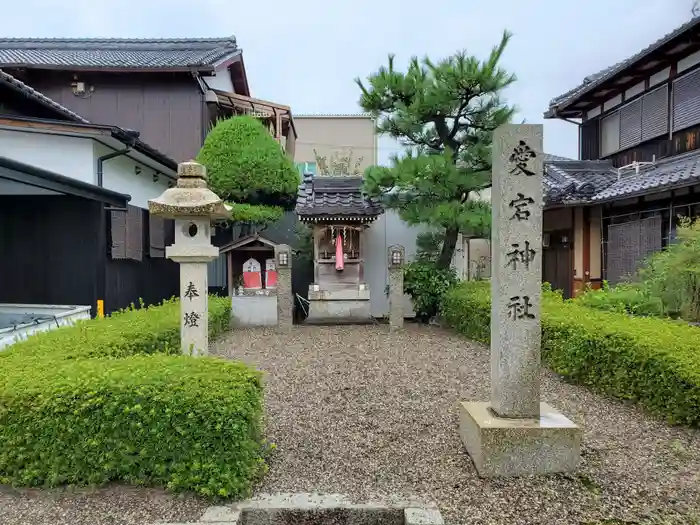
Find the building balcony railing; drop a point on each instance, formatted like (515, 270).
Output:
(277, 118)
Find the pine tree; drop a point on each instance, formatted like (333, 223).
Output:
(445, 114)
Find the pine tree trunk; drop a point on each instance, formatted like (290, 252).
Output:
(448, 248)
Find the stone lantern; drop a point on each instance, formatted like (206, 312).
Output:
(397, 256)
(193, 206)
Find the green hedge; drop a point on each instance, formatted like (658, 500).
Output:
(653, 361)
(113, 400)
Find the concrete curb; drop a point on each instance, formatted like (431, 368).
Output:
(278, 508)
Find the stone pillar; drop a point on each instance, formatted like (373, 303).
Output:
(516, 271)
(193, 206)
(517, 434)
(285, 298)
(194, 302)
(397, 255)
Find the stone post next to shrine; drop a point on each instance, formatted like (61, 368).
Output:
(397, 256)
(285, 297)
(516, 434)
(193, 206)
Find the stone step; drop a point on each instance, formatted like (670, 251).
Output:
(313, 508)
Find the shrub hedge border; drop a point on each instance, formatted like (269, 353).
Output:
(114, 400)
(655, 362)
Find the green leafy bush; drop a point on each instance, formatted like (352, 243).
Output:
(426, 284)
(113, 400)
(653, 361)
(667, 284)
(630, 298)
(673, 274)
(246, 164)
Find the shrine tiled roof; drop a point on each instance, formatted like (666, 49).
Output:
(326, 197)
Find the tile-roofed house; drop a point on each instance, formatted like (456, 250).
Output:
(172, 90)
(567, 181)
(623, 73)
(340, 197)
(639, 141)
(8, 81)
(161, 87)
(117, 53)
(85, 187)
(666, 174)
(589, 182)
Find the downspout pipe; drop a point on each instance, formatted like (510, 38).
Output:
(101, 275)
(103, 158)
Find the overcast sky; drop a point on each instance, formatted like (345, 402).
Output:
(306, 53)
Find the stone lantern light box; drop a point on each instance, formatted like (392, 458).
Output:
(283, 258)
(396, 256)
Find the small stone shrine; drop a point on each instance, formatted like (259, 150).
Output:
(516, 434)
(338, 213)
(255, 281)
(193, 206)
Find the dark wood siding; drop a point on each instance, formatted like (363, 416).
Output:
(167, 109)
(686, 140)
(150, 280)
(659, 148)
(48, 249)
(16, 104)
(50, 254)
(590, 142)
(557, 264)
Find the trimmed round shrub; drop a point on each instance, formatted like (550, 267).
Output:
(113, 400)
(246, 164)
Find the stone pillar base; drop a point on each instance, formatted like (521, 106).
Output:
(519, 447)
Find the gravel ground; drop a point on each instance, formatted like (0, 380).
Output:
(115, 505)
(359, 411)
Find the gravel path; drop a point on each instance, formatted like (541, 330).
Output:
(359, 411)
(116, 505)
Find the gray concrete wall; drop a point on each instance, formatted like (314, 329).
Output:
(254, 310)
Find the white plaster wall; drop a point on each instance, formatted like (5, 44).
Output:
(221, 80)
(119, 174)
(76, 157)
(387, 230)
(69, 156)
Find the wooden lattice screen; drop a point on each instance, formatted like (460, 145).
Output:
(629, 243)
(127, 234)
(156, 234)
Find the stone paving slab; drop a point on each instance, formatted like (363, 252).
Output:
(302, 508)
